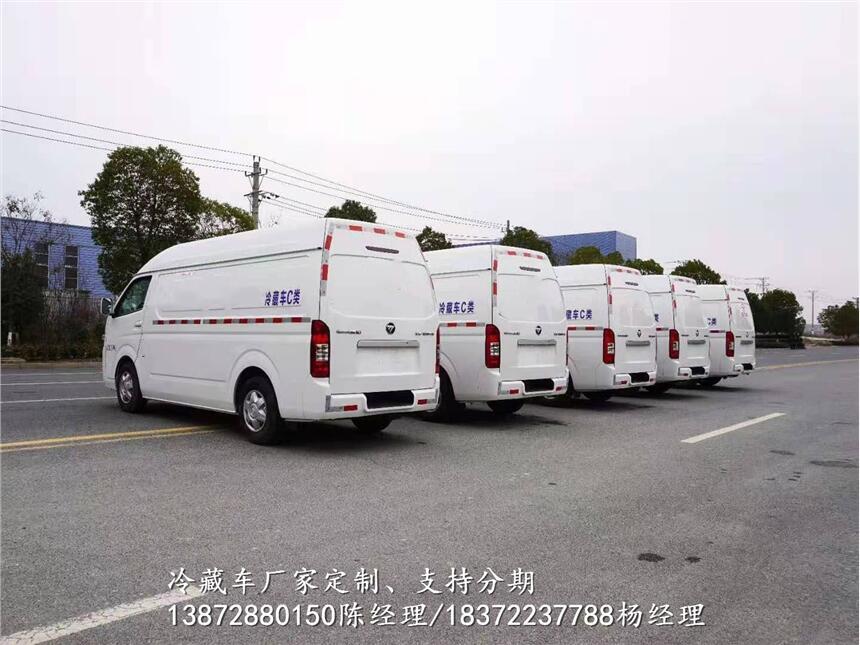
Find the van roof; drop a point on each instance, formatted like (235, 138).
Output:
(572, 275)
(295, 236)
(663, 283)
(473, 258)
(721, 292)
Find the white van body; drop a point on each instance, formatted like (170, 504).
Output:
(732, 330)
(606, 304)
(683, 350)
(484, 288)
(219, 309)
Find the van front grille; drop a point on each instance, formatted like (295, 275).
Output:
(639, 377)
(539, 385)
(395, 399)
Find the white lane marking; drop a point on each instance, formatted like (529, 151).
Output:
(80, 398)
(48, 383)
(50, 373)
(99, 618)
(807, 363)
(737, 426)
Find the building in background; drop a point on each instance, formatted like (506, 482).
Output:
(605, 241)
(66, 255)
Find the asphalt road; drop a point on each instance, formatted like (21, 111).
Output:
(604, 504)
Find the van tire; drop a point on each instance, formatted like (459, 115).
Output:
(128, 388)
(598, 397)
(711, 381)
(659, 388)
(256, 396)
(372, 425)
(504, 408)
(448, 405)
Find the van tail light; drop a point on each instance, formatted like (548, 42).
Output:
(438, 351)
(730, 344)
(674, 344)
(320, 349)
(492, 347)
(608, 346)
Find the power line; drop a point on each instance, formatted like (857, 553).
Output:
(86, 145)
(128, 132)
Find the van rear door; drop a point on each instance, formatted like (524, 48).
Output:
(529, 313)
(631, 317)
(690, 322)
(379, 306)
(742, 326)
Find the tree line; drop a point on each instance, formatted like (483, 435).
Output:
(144, 200)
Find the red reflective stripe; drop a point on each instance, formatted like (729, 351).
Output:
(350, 408)
(296, 319)
(495, 289)
(512, 252)
(421, 401)
(212, 321)
(399, 234)
(379, 231)
(183, 322)
(324, 272)
(451, 324)
(515, 391)
(227, 321)
(327, 244)
(277, 319)
(171, 322)
(355, 227)
(571, 328)
(243, 321)
(259, 320)
(495, 265)
(197, 321)
(471, 324)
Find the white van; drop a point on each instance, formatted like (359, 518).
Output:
(611, 331)
(502, 326)
(331, 319)
(682, 337)
(732, 331)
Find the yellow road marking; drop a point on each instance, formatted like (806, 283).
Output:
(56, 442)
(808, 363)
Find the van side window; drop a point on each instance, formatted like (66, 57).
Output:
(133, 298)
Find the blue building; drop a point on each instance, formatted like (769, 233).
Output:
(606, 241)
(66, 255)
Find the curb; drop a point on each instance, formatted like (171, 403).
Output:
(11, 363)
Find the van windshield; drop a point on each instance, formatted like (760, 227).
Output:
(690, 312)
(741, 316)
(370, 287)
(631, 308)
(529, 298)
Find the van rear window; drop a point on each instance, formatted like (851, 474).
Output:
(690, 312)
(529, 298)
(370, 287)
(741, 316)
(631, 308)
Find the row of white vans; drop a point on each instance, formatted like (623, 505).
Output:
(338, 319)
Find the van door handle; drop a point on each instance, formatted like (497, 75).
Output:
(138, 324)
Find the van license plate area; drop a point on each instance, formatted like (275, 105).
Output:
(639, 377)
(539, 385)
(378, 361)
(394, 399)
(533, 355)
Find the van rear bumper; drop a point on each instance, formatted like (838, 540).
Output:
(518, 389)
(624, 381)
(348, 406)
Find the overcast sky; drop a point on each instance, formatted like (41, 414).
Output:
(722, 131)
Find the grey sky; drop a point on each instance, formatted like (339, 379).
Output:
(723, 131)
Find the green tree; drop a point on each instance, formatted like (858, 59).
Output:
(142, 202)
(220, 218)
(840, 320)
(430, 240)
(586, 255)
(646, 267)
(525, 238)
(614, 257)
(777, 312)
(354, 210)
(699, 271)
(21, 295)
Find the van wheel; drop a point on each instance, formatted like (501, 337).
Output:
(504, 408)
(259, 417)
(598, 397)
(448, 405)
(711, 381)
(374, 424)
(659, 388)
(128, 388)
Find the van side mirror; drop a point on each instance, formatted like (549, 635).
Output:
(106, 306)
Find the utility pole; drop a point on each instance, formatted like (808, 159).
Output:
(254, 196)
(508, 226)
(812, 293)
(763, 281)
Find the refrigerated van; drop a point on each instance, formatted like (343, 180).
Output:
(611, 334)
(332, 319)
(731, 330)
(502, 327)
(683, 350)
